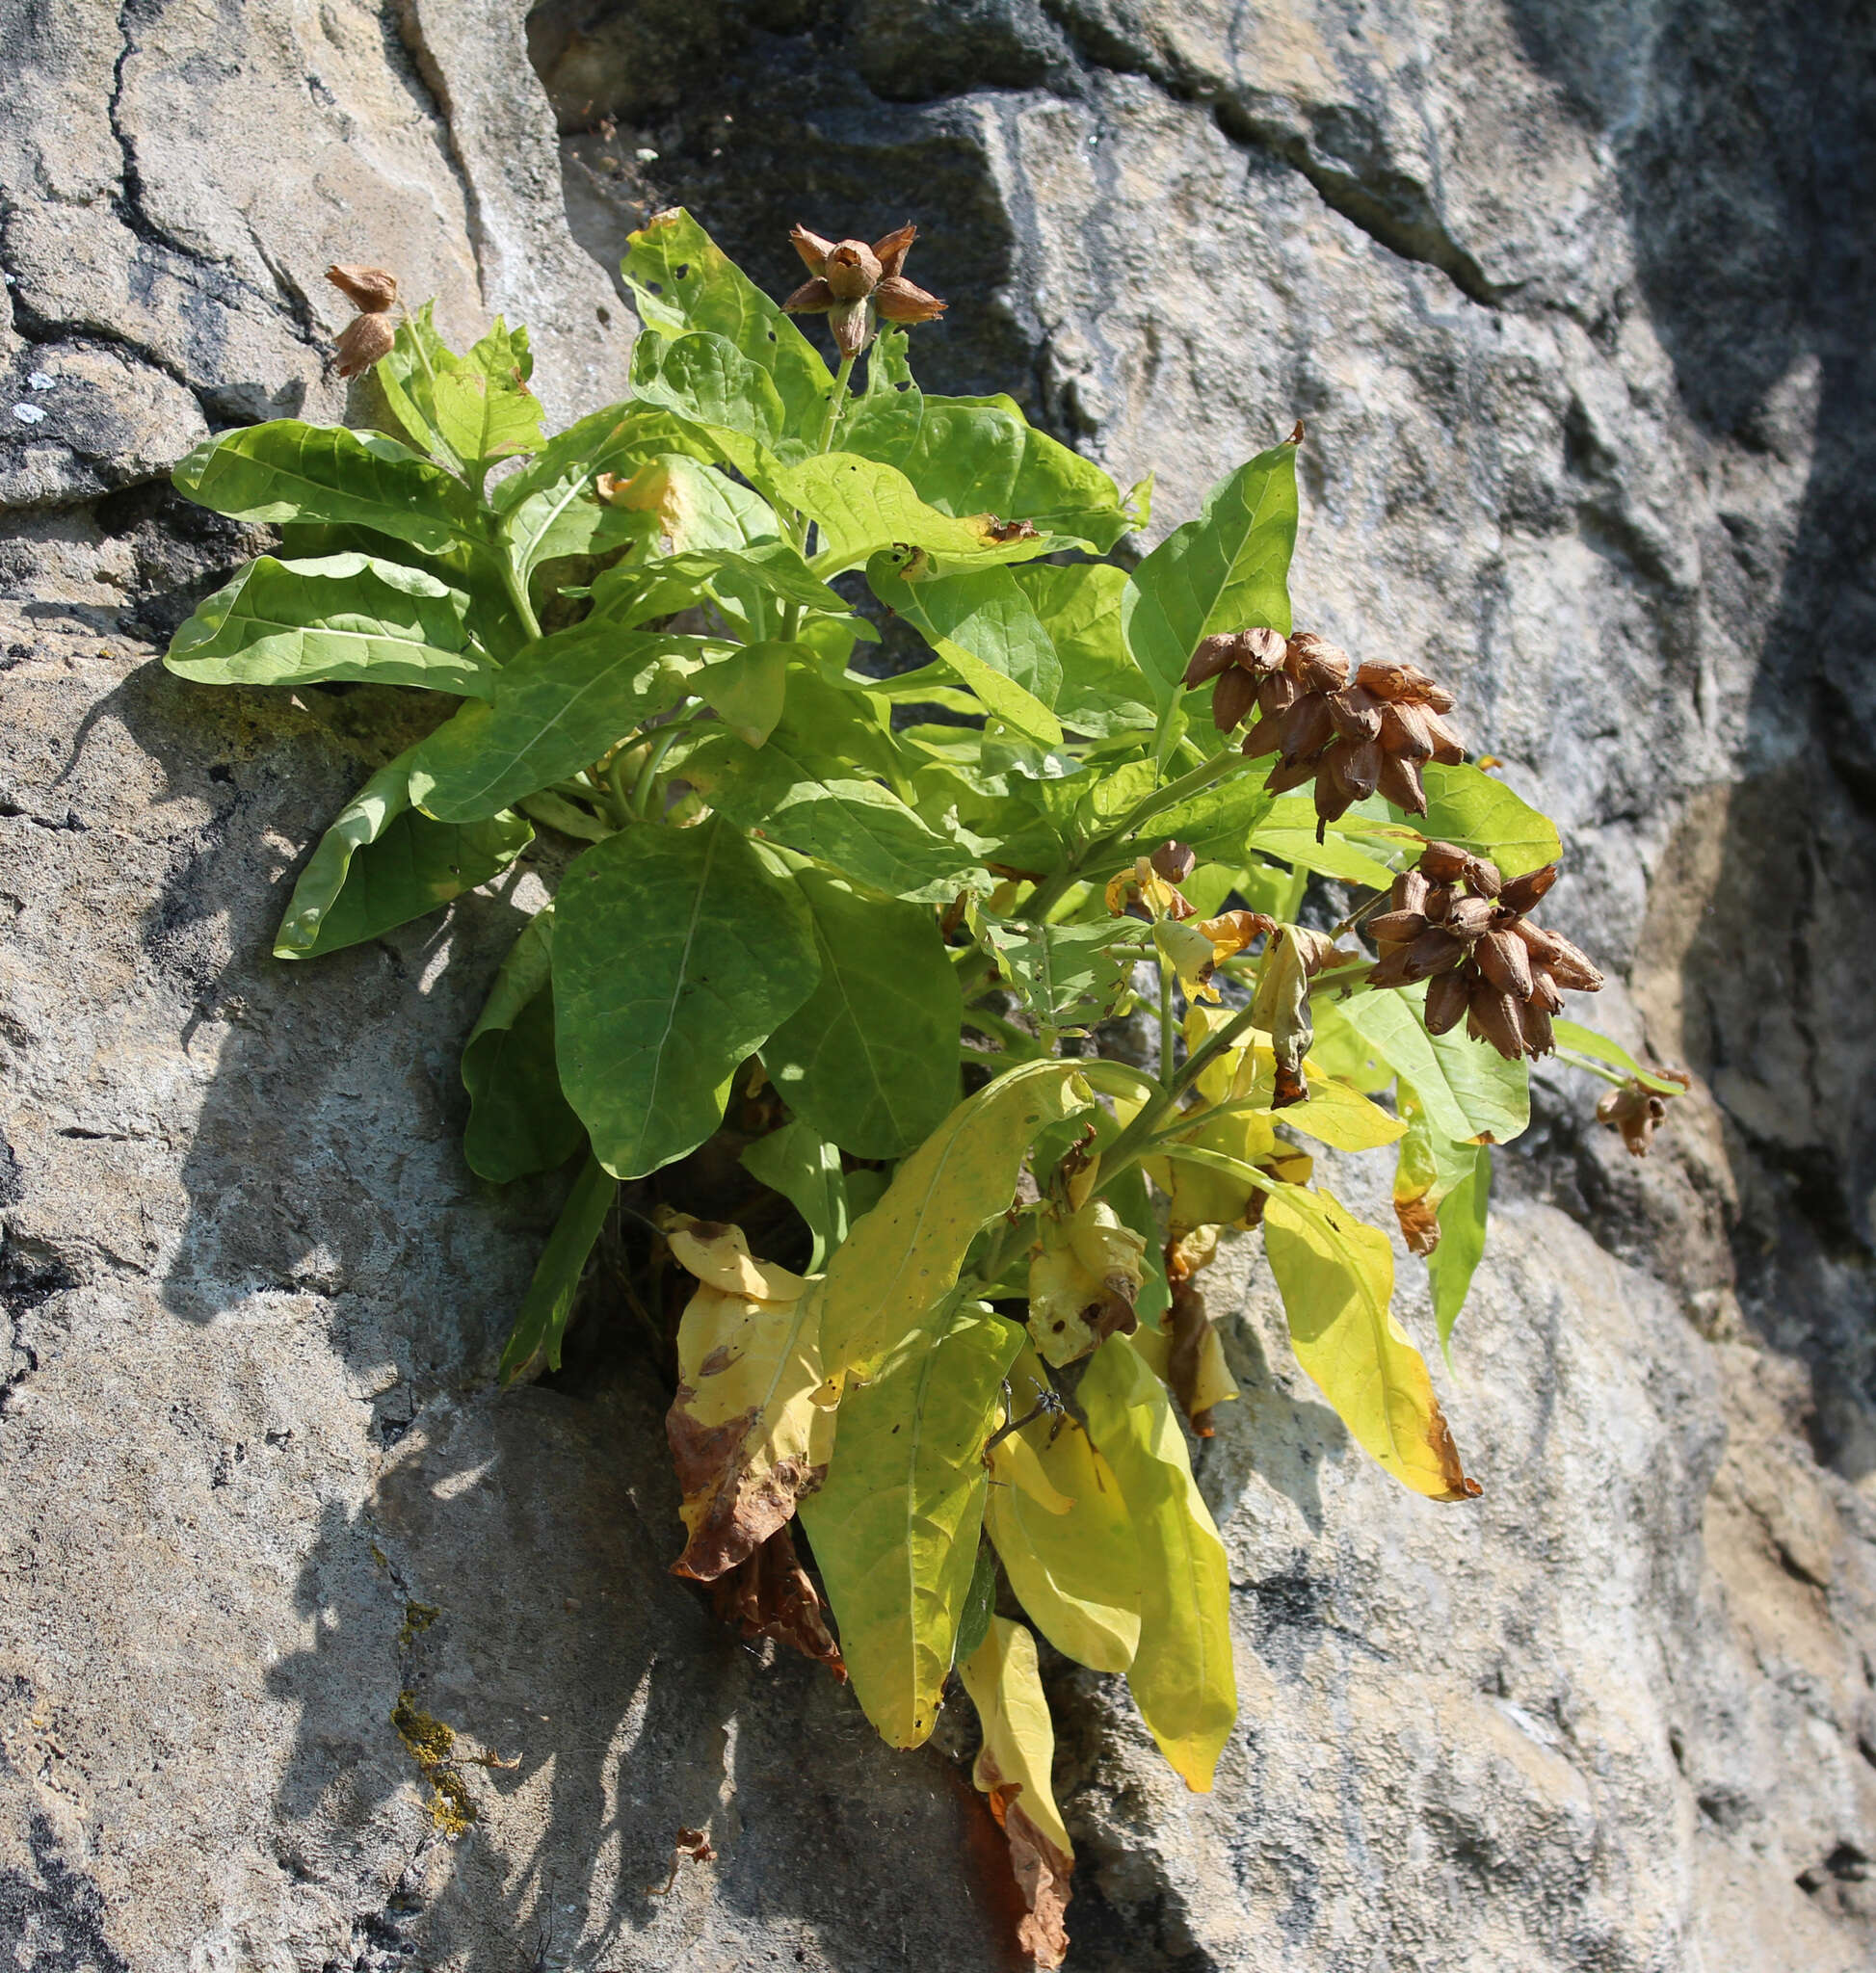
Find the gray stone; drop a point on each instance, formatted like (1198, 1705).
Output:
(1574, 303)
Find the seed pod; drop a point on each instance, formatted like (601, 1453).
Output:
(1396, 928)
(1357, 714)
(1410, 892)
(1444, 862)
(1175, 862)
(1276, 693)
(1544, 945)
(1439, 903)
(1290, 774)
(1433, 952)
(1307, 728)
(364, 340)
(1403, 730)
(1537, 1037)
(1494, 1016)
(1361, 767)
(1231, 697)
(1544, 990)
(1437, 697)
(1506, 962)
(1522, 892)
(1261, 651)
(1482, 878)
(1335, 796)
(1448, 748)
(1571, 968)
(1266, 736)
(1468, 917)
(1214, 654)
(371, 290)
(1400, 783)
(1387, 680)
(1447, 1000)
(1316, 663)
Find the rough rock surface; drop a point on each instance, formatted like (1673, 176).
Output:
(1574, 298)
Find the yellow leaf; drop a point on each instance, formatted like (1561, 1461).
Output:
(1190, 954)
(1336, 1278)
(1333, 1114)
(1201, 1195)
(1083, 1281)
(747, 1436)
(902, 1259)
(1075, 1569)
(1013, 1769)
(1181, 1675)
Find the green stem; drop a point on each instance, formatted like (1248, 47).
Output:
(1167, 1033)
(518, 591)
(663, 740)
(836, 404)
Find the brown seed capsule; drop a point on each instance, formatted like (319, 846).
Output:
(1357, 714)
(1436, 696)
(1494, 1016)
(1214, 654)
(1544, 990)
(1400, 785)
(1290, 774)
(371, 290)
(1305, 730)
(1266, 736)
(1544, 945)
(1276, 693)
(1261, 650)
(1438, 904)
(1175, 862)
(1410, 892)
(1444, 862)
(1316, 663)
(1537, 1037)
(1448, 748)
(1569, 968)
(364, 340)
(1396, 928)
(1386, 679)
(1447, 1000)
(1403, 730)
(1505, 961)
(1522, 892)
(1361, 767)
(1231, 697)
(1433, 952)
(1468, 917)
(1482, 878)
(1334, 795)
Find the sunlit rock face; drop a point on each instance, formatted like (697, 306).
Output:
(1574, 301)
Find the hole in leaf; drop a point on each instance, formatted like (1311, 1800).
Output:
(654, 287)
(682, 274)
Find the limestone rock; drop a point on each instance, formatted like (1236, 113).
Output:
(1574, 303)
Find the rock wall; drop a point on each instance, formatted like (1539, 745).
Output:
(1574, 296)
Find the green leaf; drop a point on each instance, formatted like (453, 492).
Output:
(1066, 1541)
(1068, 976)
(1334, 856)
(895, 1526)
(551, 506)
(902, 1260)
(1101, 689)
(1467, 806)
(557, 708)
(1469, 1090)
(520, 1122)
(1336, 1278)
(1226, 571)
(801, 800)
(1452, 1264)
(979, 455)
(289, 471)
(1215, 822)
(380, 864)
(675, 955)
(863, 508)
(748, 688)
(706, 379)
(682, 282)
(482, 409)
(339, 616)
(406, 376)
(541, 1325)
(870, 1058)
(1181, 1677)
(804, 1168)
(1600, 1049)
(979, 1603)
(982, 612)
(735, 577)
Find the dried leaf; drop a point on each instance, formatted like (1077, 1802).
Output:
(768, 1595)
(1013, 1769)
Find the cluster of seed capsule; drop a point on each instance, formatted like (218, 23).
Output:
(1355, 730)
(1455, 923)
